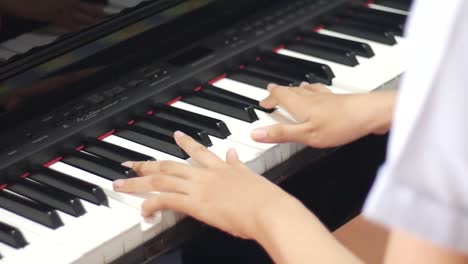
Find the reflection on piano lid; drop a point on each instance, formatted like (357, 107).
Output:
(70, 112)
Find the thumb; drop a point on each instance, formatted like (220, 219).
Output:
(281, 133)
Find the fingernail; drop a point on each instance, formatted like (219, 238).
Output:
(178, 134)
(271, 86)
(259, 134)
(128, 164)
(118, 184)
(304, 83)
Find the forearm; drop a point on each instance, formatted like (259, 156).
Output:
(291, 234)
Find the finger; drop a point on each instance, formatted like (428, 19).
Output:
(174, 201)
(283, 96)
(159, 183)
(276, 96)
(316, 87)
(281, 133)
(232, 157)
(196, 151)
(166, 167)
(301, 91)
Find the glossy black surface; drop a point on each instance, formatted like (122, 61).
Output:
(105, 168)
(11, 236)
(153, 140)
(223, 106)
(360, 48)
(168, 127)
(48, 195)
(29, 209)
(260, 78)
(364, 31)
(214, 127)
(209, 89)
(302, 70)
(341, 56)
(112, 152)
(84, 190)
(44, 86)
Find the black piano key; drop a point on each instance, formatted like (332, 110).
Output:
(113, 152)
(168, 127)
(29, 209)
(364, 31)
(389, 16)
(404, 5)
(372, 19)
(223, 106)
(341, 56)
(377, 24)
(305, 70)
(214, 127)
(47, 195)
(259, 79)
(209, 89)
(12, 236)
(82, 189)
(105, 168)
(279, 72)
(360, 48)
(153, 140)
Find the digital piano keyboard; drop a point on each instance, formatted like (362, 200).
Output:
(74, 107)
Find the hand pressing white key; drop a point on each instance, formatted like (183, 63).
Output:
(326, 119)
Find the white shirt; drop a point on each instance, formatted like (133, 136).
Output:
(423, 186)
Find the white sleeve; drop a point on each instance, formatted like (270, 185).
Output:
(423, 186)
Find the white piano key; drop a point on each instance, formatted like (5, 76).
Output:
(112, 9)
(37, 38)
(388, 9)
(125, 3)
(6, 54)
(17, 45)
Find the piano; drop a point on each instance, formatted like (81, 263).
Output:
(73, 107)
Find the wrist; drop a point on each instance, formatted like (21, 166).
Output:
(274, 216)
(382, 105)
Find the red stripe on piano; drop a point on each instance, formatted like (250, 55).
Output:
(79, 148)
(106, 134)
(197, 89)
(3, 186)
(52, 162)
(219, 78)
(280, 47)
(25, 175)
(318, 28)
(131, 122)
(174, 101)
(369, 2)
